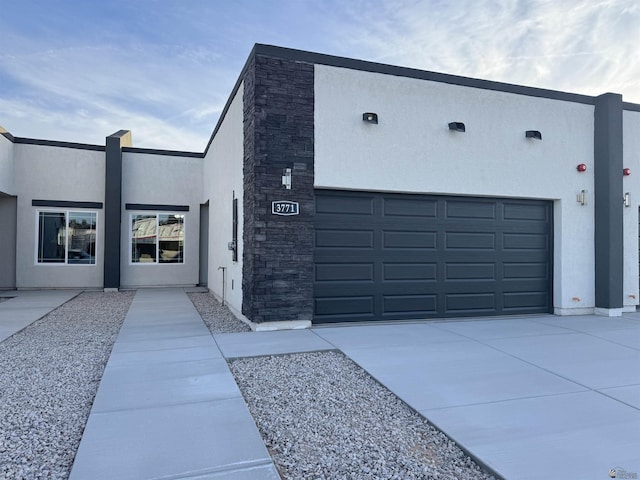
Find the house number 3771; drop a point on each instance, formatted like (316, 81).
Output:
(285, 207)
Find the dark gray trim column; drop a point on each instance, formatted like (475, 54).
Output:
(8, 240)
(113, 206)
(277, 269)
(608, 165)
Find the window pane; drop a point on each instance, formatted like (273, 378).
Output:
(82, 238)
(171, 236)
(51, 237)
(143, 238)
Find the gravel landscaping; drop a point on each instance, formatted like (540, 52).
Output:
(217, 317)
(323, 417)
(49, 375)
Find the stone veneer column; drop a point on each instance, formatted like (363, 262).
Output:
(277, 272)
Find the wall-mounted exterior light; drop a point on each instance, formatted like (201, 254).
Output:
(535, 134)
(627, 199)
(626, 172)
(370, 117)
(581, 198)
(457, 127)
(286, 178)
(581, 168)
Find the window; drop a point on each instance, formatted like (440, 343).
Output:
(157, 238)
(67, 237)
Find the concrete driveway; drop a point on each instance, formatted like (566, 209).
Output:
(532, 397)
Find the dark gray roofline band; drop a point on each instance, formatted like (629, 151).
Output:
(155, 207)
(53, 143)
(170, 153)
(66, 204)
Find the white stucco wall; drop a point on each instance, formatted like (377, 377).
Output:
(161, 180)
(223, 179)
(6, 165)
(412, 150)
(56, 173)
(631, 184)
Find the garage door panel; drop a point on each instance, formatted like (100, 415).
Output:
(525, 241)
(341, 306)
(418, 305)
(470, 240)
(330, 272)
(409, 207)
(521, 270)
(409, 239)
(460, 303)
(470, 271)
(428, 256)
(345, 204)
(394, 272)
(525, 212)
(463, 209)
(344, 238)
(524, 285)
(523, 300)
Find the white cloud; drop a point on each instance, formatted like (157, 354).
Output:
(580, 46)
(160, 92)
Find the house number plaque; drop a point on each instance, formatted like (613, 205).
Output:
(285, 207)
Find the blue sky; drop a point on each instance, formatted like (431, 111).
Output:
(78, 70)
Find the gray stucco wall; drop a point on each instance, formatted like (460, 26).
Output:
(223, 181)
(161, 180)
(46, 172)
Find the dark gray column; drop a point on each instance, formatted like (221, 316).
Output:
(608, 202)
(9, 222)
(277, 270)
(113, 206)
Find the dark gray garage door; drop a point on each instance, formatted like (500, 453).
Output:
(391, 257)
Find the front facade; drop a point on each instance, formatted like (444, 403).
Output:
(338, 190)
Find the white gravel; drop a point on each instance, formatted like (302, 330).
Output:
(49, 375)
(217, 317)
(323, 417)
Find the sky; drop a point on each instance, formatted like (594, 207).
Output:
(80, 70)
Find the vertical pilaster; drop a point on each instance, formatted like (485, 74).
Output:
(278, 135)
(113, 207)
(608, 165)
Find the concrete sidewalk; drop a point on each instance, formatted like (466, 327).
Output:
(27, 306)
(167, 406)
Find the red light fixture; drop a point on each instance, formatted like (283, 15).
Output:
(626, 172)
(581, 168)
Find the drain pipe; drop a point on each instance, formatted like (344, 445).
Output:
(223, 283)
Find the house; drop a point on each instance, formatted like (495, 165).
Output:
(335, 190)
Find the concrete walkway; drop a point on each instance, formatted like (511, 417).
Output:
(167, 406)
(26, 306)
(532, 397)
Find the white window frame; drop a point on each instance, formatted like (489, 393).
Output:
(156, 214)
(66, 249)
